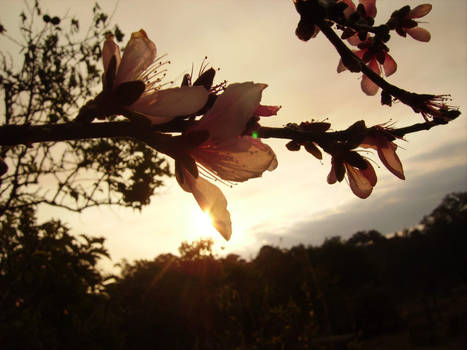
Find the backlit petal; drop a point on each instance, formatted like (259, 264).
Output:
(232, 110)
(358, 182)
(419, 11)
(389, 66)
(370, 174)
(164, 105)
(368, 86)
(332, 178)
(236, 159)
(139, 54)
(420, 34)
(390, 159)
(110, 49)
(267, 111)
(212, 201)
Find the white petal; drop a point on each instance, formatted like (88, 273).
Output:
(110, 49)
(164, 105)
(139, 54)
(212, 201)
(232, 110)
(237, 159)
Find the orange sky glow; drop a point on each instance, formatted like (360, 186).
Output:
(255, 41)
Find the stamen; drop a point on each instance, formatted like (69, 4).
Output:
(203, 66)
(210, 175)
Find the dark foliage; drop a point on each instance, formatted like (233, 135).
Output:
(56, 70)
(341, 293)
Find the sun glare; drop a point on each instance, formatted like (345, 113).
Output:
(201, 228)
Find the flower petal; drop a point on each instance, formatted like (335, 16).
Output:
(419, 11)
(368, 86)
(370, 7)
(370, 174)
(232, 110)
(359, 184)
(211, 200)
(267, 111)
(389, 66)
(164, 105)
(109, 50)
(391, 161)
(236, 159)
(139, 54)
(332, 178)
(420, 34)
(341, 67)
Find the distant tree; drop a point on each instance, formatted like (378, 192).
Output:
(52, 292)
(59, 70)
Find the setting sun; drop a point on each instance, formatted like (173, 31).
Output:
(201, 226)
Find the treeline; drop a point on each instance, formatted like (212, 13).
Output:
(335, 296)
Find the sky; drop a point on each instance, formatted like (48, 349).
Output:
(255, 41)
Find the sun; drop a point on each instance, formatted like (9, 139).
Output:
(201, 226)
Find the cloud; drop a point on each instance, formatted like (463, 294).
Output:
(387, 211)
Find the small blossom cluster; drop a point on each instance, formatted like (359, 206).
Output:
(345, 160)
(357, 24)
(360, 173)
(372, 49)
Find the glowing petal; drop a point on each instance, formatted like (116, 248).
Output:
(164, 105)
(267, 111)
(211, 200)
(139, 54)
(419, 11)
(390, 159)
(368, 86)
(110, 49)
(359, 184)
(332, 178)
(232, 110)
(389, 66)
(237, 159)
(420, 34)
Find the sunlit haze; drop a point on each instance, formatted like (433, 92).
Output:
(255, 41)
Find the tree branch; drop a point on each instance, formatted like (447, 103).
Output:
(11, 135)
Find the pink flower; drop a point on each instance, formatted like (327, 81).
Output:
(132, 83)
(375, 55)
(380, 139)
(366, 11)
(403, 22)
(360, 173)
(218, 144)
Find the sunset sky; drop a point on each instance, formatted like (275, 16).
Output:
(255, 41)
